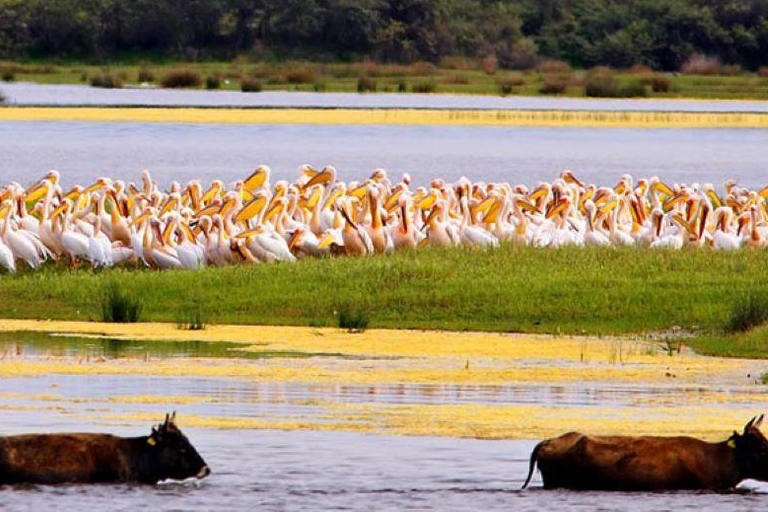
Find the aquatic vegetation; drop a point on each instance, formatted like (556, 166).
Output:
(393, 116)
(118, 306)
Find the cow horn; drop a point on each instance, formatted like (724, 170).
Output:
(759, 421)
(173, 417)
(750, 423)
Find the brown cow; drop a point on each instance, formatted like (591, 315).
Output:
(91, 458)
(576, 461)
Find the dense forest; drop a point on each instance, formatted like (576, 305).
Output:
(661, 34)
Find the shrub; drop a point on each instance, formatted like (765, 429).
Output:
(248, 84)
(762, 71)
(146, 76)
(402, 86)
(319, 87)
(422, 68)
(353, 319)
(640, 69)
(554, 84)
(424, 87)
(7, 75)
(300, 76)
(366, 84)
(2, 98)
(553, 67)
(119, 307)
(455, 63)
(747, 312)
(457, 79)
(83, 76)
(701, 65)
(604, 85)
(660, 83)
(212, 82)
(107, 81)
(178, 78)
(508, 84)
(731, 70)
(489, 65)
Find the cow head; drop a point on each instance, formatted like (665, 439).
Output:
(172, 455)
(752, 450)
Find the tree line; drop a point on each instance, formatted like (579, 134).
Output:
(661, 34)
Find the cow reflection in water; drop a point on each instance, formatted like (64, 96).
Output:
(577, 461)
(91, 458)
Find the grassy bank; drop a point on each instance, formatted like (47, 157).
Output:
(598, 291)
(459, 77)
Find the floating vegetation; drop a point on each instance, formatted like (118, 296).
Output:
(570, 118)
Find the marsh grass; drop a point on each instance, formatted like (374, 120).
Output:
(118, 306)
(572, 290)
(748, 311)
(193, 318)
(353, 319)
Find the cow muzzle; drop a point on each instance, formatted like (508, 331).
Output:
(204, 472)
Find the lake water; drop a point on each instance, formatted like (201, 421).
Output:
(41, 94)
(83, 151)
(300, 469)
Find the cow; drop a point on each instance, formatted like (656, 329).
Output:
(623, 463)
(99, 458)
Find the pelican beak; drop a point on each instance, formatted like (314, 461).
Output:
(39, 190)
(607, 207)
(323, 176)
(559, 207)
(209, 210)
(492, 216)
(485, 206)
(210, 194)
(140, 219)
(250, 232)
(430, 217)
(251, 209)
(93, 188)
(228, 205)
(58, 211)
(359, 192)
(391, 203)
(335, 195)
(526, 206)
(169, 205)
(663, 188)
(313, 199)
(295, 237)
(326, 241)
(672, 201)
(538, 193)
(717, 203)
(256, 179)
(276, 207)
(428, 202)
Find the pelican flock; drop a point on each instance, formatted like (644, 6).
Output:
(190, 226)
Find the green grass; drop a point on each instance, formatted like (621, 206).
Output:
(345, 77)
(596, 291)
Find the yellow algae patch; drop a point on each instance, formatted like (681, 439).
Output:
(379, 342)
(355, 374)
(561, 118)
(226, 423)
(483, 421)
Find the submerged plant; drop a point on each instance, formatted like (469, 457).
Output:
(193, 319)
(119, 307)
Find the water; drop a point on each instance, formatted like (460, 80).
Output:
(85, 151)
(39, 94)
(300, 469)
